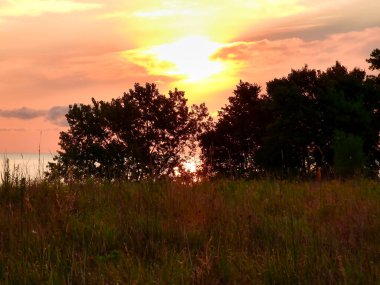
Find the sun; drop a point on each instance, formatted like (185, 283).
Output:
(190, 166)
(189, 57)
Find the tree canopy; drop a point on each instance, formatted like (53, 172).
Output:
(309, 120)
(141, 134)
(374, 60)
(229, 147)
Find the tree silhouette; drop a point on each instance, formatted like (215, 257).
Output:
(349, 157)
(229, 147)
(287, 141)
(308, 120)
(139, 135)
(309, 107)
(374, 60)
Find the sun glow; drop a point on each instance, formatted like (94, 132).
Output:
(190, 166)
(188, 57)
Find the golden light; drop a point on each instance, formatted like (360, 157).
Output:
(189, 57)
(190, 166)
(38, 7)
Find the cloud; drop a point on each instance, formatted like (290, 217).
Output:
(22, 113)
(318, 20)
(55, 115)
(260, 61)
(187, 58)
(16, 8)
(148, 61)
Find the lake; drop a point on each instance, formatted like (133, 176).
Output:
(29, 165)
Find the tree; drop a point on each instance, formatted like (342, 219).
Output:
(308, 108)
(349, 158)
(372, 101)
(229, 147)
(349, 102)
(374, 59)
(139, 135)
(292, 131)
(287, 140)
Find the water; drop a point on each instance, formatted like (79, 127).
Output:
(29, 165)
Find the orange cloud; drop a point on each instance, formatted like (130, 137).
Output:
(260, 61)
(188, 59)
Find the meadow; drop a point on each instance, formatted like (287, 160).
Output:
(213, 232)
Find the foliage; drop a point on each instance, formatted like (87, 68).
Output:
(287, 140)
(349, 158)
(139, 135)
(290, 131)
(230, 146)
(374, 60)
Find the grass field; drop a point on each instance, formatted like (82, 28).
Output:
(220, 232)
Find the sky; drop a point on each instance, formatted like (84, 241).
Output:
(54, 53)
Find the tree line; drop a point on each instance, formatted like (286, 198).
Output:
(307, 121)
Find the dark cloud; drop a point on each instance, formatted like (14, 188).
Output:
(55, 115)
(22, 113)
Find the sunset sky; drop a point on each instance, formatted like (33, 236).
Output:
(58, 52)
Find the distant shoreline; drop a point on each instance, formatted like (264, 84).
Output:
(30, 165)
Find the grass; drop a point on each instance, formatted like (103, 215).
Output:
(220, 232)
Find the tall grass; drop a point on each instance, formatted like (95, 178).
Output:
(220, 232)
